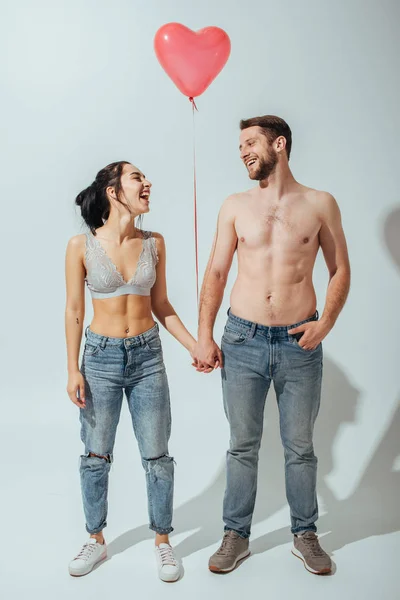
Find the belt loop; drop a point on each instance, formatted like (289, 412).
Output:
(228, 311)
(317, 314)
(157, 326)
(253, 330)
(86, 330)
(103, 342)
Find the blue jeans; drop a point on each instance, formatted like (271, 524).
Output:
(255, 355)
(109, 366)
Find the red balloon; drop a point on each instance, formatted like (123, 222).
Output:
(192, 59)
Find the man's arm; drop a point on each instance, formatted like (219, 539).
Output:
(334, 248)
(214, 282)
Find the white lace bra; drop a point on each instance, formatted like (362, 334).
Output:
(105, 281)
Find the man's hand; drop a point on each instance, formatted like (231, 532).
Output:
(313, 334)
(207, 356)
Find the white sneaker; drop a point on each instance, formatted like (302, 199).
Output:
(168, 566)
(92, 552)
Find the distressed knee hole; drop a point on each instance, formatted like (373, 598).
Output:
(157, 464)
(156, 458)
(107, 457)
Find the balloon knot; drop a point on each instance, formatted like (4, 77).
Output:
(193, 102)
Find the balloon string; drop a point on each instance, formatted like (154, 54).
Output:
(193, 103)
(194, 107)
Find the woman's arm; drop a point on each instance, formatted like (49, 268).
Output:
(74, 315)
(160, 304)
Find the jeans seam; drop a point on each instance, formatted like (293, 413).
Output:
(151, 511)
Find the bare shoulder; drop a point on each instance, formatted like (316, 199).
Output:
(323, 202)
(157, 236)
(159, 240)
(247, 194)
(233, 203)
(317, 196)
(232, 200)
(77, 243)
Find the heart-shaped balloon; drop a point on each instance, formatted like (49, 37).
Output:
(192, 59)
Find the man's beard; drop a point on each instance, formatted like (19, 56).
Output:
(266, 167)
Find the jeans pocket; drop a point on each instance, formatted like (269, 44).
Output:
(91, 349)
(233, 336)
(153, 344)
(296, 337)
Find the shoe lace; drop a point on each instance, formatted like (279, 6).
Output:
(227, 544)
(313, 546)
(86, 551)
(167, 556)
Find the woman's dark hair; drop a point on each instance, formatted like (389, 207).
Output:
(93, 201)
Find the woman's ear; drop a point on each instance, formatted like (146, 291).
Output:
(110, 191)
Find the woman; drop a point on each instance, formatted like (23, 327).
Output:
(124, 268)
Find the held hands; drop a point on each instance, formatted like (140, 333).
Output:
(207, 356)
(313, 334)
(76, 389)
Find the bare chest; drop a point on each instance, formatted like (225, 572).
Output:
(282, 226)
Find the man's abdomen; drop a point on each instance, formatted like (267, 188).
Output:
(273, 305)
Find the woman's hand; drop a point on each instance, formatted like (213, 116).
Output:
(207, 356)
(76, 389)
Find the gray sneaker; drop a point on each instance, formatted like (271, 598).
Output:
(306, 547)
(232, 549)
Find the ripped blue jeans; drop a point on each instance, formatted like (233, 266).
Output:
(136, 365)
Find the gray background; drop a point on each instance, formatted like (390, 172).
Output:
(81, 87)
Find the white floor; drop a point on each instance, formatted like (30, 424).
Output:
(42, 523)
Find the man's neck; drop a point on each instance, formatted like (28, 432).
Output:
(279, 183)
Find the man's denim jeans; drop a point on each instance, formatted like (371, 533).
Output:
(255, 355)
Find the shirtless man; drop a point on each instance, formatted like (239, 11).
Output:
(273, 332)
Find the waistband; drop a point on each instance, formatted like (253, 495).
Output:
(245, 324)
(136, 340)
